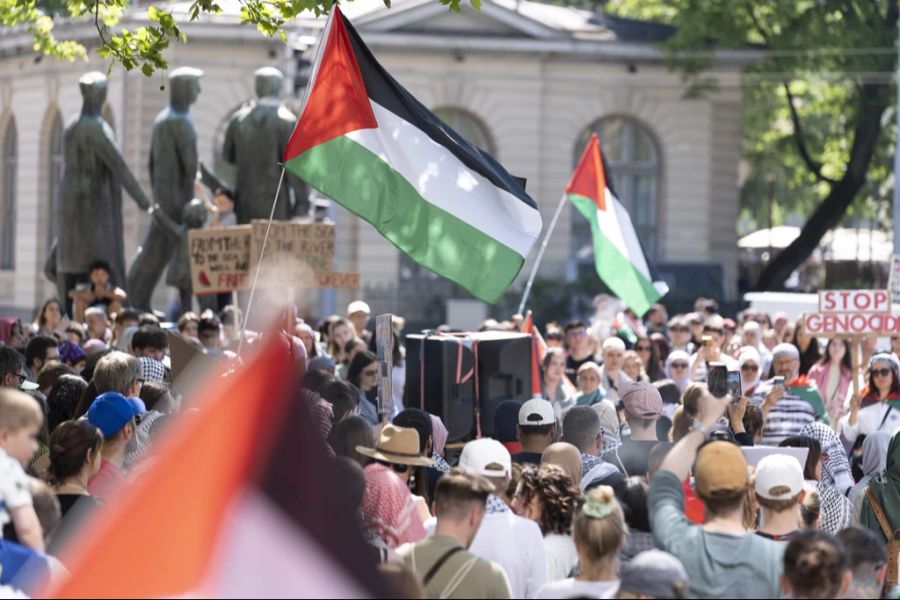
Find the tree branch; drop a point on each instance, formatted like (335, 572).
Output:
(756, 23)
(814, 167)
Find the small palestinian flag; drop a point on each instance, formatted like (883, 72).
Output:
(367, 143)
(618, 255)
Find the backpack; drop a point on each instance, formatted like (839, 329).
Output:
(893, 544)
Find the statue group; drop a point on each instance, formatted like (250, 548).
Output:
(90, 200)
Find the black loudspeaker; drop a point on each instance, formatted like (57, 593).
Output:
(448, 362)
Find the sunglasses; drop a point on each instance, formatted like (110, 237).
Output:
(881, 372)
(679, 365)
(642, 348)
(400, 468)
(753, 368)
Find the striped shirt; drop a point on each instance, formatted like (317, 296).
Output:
(786, 418)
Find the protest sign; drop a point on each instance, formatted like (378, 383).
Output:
(850, 301)
(220, 259)
(294, 252)
(895, 278)
(384, 354)
(851, 324)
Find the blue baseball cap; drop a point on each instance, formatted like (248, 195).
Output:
(111, 411)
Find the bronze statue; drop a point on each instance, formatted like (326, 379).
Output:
(255, 138)
(173, 169)
(90, 202)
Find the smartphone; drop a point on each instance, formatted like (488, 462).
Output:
(735, 388)
(717, 379)
(778, 381)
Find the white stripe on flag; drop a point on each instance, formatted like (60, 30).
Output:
(444, 181)
(264, 554)
(616, 225)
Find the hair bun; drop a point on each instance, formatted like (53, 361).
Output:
(600, 502)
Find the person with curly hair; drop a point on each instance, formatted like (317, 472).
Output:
(549, 497)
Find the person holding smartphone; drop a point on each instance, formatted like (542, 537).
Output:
(710, 350)
(788, 401)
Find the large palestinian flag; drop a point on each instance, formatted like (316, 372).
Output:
(367, 143)
(618, 255)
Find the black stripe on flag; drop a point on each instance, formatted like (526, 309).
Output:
(303, 481)
(386, 91)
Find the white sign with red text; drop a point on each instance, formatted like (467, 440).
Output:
(847, 313)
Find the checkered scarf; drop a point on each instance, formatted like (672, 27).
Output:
(152, 369)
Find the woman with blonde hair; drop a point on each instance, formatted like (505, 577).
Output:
(599, 532)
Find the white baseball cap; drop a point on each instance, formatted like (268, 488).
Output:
(358, 306)
(537, 411)
(478, 454)
(779, 477)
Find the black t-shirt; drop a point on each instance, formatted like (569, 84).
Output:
(616, 481)
(633, 456)
(524, 458)
(75, 509)
(573, 365)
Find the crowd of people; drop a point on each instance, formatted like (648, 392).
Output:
(630, 475)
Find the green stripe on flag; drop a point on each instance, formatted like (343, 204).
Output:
(810, 393)
(364, 184)
(614, 268)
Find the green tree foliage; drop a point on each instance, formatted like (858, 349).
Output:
(818, 115)
(144, 47)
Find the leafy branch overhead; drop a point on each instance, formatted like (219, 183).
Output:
(818, 114)
(144, 47)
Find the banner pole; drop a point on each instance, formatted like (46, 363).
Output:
(537, 262)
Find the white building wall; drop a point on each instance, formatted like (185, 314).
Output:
(535, 107)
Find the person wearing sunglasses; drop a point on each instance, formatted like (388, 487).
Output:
(873, 410)
(680, 334)
(363, 373)
(750, 366)
(678, 365)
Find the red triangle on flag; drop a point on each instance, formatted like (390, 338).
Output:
(589, 178)
(338, 102)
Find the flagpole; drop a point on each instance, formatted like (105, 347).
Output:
(537, 262)
(262, 251)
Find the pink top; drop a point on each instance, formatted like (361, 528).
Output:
(835, 404)
(107, 478)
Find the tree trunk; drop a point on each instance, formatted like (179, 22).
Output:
(872, 103)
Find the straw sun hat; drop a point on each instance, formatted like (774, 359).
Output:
(398, 445)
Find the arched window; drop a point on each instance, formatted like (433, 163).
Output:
(633, 162)
(56, 162)
(467, 125)
(8, 199)
(473, 129)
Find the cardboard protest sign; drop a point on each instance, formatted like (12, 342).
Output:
(384, 348)
(294, 252)
(220, 259)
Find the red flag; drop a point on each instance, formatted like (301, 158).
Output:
(528, 327)
(234, 504)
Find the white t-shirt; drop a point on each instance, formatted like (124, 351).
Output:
(14, 492)
(561, 556)
(572, 588)
(875, 417)
(515, 543)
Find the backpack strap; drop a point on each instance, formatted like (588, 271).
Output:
(440, 563)
(879, 514)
